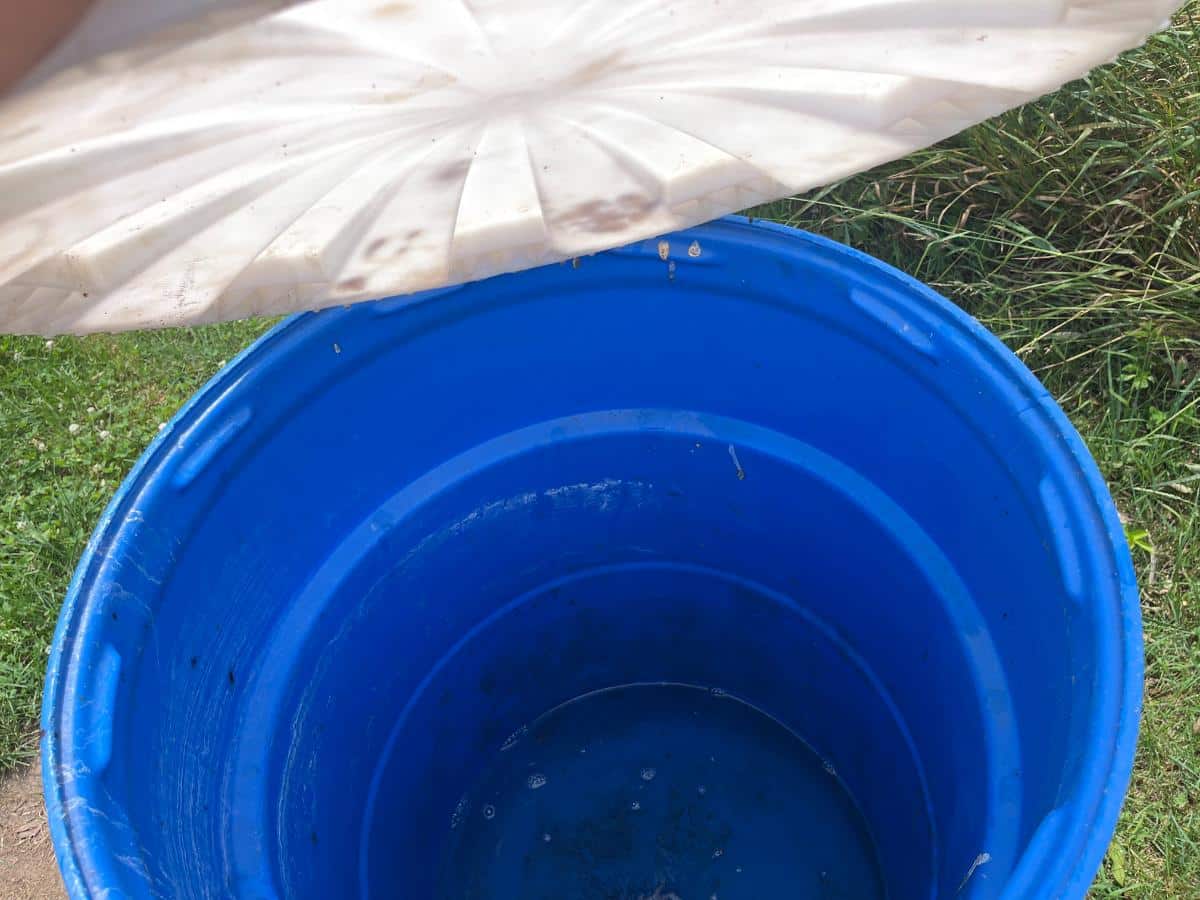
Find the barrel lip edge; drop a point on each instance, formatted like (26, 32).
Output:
(74, 872)
(1095, 832)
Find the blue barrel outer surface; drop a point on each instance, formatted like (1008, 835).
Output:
(385, 537)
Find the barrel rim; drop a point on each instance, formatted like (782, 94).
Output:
(1059, 868)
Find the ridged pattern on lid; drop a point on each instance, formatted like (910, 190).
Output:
(332, 152)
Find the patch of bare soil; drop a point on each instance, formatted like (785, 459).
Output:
(27, 867)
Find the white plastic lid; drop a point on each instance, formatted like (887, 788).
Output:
(212, 159)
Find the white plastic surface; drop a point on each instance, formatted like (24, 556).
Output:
(330, 152)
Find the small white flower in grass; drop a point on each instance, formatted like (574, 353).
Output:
(162, 425)
(91, 410)
(105, 434)
(22, 524)
(39, 445)
(49, 345)
(73, 428)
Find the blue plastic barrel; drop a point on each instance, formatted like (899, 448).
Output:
(383, 541)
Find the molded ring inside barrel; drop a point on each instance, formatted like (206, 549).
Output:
(387, 537)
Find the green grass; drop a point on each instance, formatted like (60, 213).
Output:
(1070, 227)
